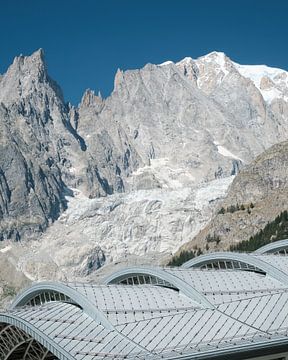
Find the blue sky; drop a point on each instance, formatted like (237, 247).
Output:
(86, 41)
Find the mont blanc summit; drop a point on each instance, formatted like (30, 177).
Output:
(137, 172)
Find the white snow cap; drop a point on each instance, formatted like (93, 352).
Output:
(169, 62)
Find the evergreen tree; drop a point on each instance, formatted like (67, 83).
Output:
(180, 259)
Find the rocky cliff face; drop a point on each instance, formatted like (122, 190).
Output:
(256, 196)
(31, 124)
(166, 133)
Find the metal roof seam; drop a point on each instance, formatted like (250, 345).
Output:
(244, 323)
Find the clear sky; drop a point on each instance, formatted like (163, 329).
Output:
(85, 41)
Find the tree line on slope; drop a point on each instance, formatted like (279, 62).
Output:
(273, 231)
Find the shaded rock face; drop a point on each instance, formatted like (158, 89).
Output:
(32, 190)
(264, 184)
(37, 145)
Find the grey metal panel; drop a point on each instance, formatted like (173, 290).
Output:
(279, 262)
(226, 297)
(186, 330)
(272, 247)
(268, 313)
(126, 297)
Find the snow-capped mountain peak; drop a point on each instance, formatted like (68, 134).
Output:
(209, 71)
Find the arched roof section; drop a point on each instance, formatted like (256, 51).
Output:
(274, 247)
(33, 332)
(75, 296)
(64, 329)
(165, 276)
(264, 263)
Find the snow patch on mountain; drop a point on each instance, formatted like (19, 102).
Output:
(169, 62)
(225, 152)
(257, 72)
(5, 249)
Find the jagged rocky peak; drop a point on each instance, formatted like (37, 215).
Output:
(213, 69)
(28, 77)
(73, 114)
(209, 71)
(189, 69)
(90, 99)
(34, 64)
(21, 76)
(38, 148)
(119, 77)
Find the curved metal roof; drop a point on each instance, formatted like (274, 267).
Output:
(30, 329)
(273, 247)
(68, 332)
(215, 286)
(274, 266)
(213, 313)
(165, 275)
(67, 289)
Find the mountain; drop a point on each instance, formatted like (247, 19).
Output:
(139, 172)
(255, 198)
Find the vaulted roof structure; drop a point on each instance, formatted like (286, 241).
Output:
(277, 247)
(194, 312)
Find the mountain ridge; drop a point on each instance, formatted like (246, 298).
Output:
(166, 142)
